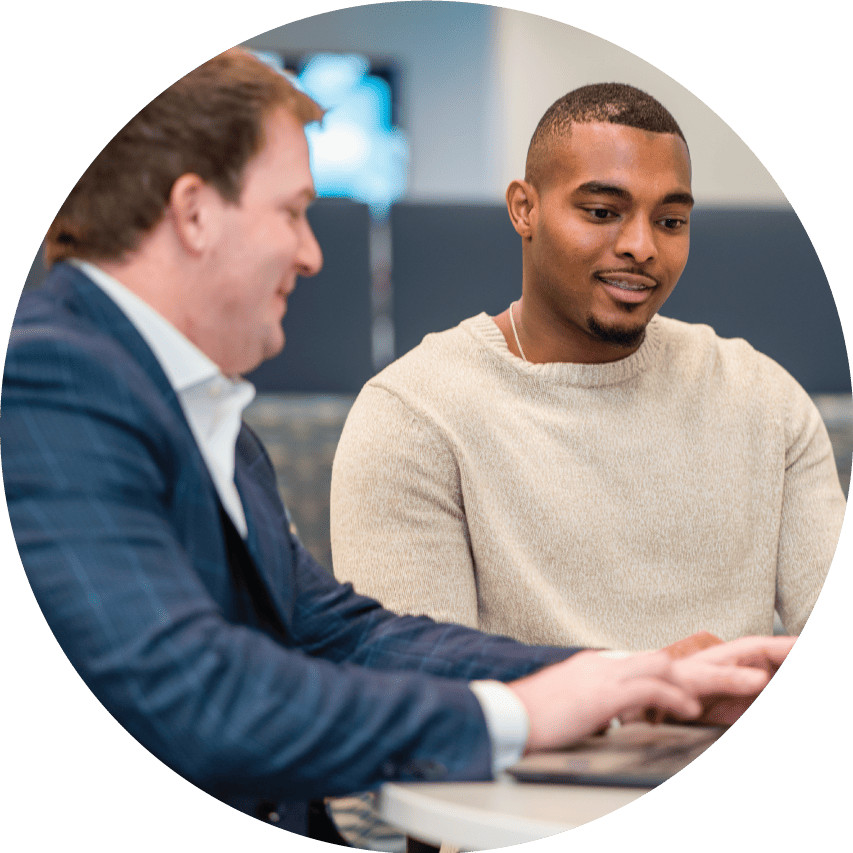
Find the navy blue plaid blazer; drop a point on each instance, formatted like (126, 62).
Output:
(245, 667)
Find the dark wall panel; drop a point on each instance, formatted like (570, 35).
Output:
(37, 271)
(329, 317)
(751, 274)
(754, 274)
(450, 261)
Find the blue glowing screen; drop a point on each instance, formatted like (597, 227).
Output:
(355, 151)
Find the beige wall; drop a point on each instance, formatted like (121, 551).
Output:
(537, 60)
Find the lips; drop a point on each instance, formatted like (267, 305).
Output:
(627, 287)
(281, 296)
(285, 291)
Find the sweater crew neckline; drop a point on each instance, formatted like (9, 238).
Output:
(484, 328)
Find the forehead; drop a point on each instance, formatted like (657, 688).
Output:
(615, 154)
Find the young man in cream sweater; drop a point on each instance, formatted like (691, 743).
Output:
(579, 470)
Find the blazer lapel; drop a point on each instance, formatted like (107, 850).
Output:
(268, 540)
(85, 298)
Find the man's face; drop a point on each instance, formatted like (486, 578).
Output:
(257, 249)
(608, 237)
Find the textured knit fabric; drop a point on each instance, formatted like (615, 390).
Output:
(688, 486)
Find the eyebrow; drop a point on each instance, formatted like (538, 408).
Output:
(601, 188)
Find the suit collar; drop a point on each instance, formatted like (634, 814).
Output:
(84, 298)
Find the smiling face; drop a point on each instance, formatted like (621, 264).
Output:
(256, 250)
(605, 239)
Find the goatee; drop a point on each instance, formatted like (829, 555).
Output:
(620, 337)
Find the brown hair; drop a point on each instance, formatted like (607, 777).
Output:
(208, 123)
(613, 103)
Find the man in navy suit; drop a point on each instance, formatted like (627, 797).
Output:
(147, 516)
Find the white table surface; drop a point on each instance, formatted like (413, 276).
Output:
(484, 815)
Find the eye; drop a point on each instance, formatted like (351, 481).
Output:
(600, 214)
(673, 224)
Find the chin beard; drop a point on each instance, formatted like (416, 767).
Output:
(621, 337)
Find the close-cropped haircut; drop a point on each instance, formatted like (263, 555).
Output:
(613, 103)
(209, 123)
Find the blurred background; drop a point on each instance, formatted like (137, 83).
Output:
(430, 110)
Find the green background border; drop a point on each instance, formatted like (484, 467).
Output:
(74, 73)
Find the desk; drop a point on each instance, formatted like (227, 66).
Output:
(484, 815)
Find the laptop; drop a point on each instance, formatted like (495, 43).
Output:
(636, 755)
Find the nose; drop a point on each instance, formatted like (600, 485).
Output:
(309, 258)
(636, 240)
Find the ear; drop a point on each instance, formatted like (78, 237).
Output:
(194, 207)
(522, 202)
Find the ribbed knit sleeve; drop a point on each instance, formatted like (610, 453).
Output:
(399, 531)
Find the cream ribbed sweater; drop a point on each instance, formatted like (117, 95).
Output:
(688, 486)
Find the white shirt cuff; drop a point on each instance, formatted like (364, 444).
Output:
(506, 722)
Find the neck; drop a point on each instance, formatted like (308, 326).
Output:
(545, 340)
(158, 276)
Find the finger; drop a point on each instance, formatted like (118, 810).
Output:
(775, 649)
(724, 711)
(639, 694)
(773, 653)
(707, 679)
(758, 660)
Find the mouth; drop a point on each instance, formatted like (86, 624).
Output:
(283, 293)
(280, 305)
(627, 287)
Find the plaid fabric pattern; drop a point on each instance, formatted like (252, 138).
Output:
(312, 690)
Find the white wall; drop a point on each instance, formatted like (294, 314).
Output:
(538, 60)
(476, 79)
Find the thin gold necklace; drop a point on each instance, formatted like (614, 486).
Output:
(512, 323)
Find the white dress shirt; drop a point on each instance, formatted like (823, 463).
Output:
(213, 406)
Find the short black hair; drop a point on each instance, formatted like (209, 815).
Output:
(614, 103)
